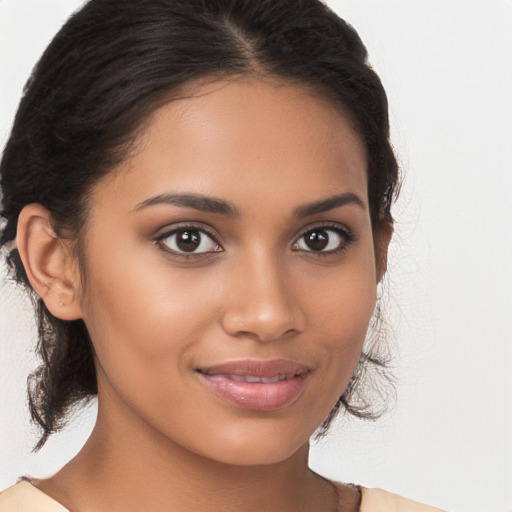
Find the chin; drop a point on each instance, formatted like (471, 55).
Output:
(255, 457)
(263, 447)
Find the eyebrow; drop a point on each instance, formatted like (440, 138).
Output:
(213, 205)
(195, 201)
(330, 203)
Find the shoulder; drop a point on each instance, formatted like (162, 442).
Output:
(24, 497)
(378, 500)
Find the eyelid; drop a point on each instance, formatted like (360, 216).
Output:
(172, 229)
(337, 226)
(342, 229)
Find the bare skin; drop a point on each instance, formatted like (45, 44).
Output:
(287, 168)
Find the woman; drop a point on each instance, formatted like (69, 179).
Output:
(198, 196)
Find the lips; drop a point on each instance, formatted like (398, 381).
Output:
(252, 379)
(256, 385)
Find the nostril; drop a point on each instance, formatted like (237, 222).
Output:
(266, 336)
(261, 304)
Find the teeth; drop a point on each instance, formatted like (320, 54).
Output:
(253, 379)
(245, 378)
(279, 378)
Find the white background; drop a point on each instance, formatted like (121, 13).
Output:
(447, 67)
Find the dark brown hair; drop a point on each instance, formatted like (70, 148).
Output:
(110, 66)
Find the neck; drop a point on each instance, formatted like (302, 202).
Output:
(135, 468)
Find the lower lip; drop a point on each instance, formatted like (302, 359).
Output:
(257, 396)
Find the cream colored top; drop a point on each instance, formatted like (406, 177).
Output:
(24, 497)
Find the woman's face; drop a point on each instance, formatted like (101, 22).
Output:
(231, 271)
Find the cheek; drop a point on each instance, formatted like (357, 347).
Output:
(142, 331)
(144, 302)
(343, 301)
(341, 312)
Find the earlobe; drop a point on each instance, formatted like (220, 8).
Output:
(48, 263)
(382, 240)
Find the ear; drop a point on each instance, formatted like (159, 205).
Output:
(49, 263)
(382, 238)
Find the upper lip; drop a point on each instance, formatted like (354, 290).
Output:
(257, 368)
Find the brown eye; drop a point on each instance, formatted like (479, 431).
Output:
(189, 240)
(316, 240)
(323, 240)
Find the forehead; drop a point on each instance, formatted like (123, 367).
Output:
(243, 138)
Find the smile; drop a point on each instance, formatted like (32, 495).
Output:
(257, 385)
(253, 379)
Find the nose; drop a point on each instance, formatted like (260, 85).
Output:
(261, 302)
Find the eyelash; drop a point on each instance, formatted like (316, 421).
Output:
(160, 240)
(347, 238)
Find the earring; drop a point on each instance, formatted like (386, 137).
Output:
(379, 292)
